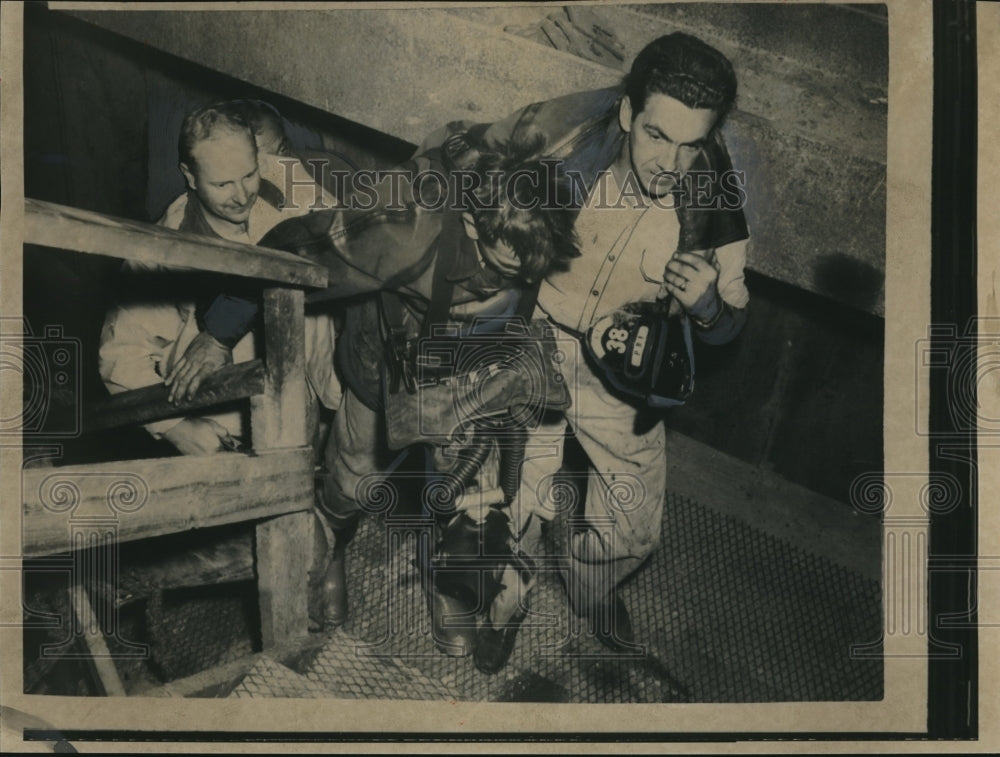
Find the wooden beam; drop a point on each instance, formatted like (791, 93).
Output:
(53, 225)
(145, 498)
(150, 403)
(278, 419)
(278, 416)
(284, 549)
(93, 636)
(221, 561)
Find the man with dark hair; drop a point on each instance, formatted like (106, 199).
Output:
(631, 153)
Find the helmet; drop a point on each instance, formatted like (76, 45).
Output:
(645, 352)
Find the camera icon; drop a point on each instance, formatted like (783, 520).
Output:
(46, 372)
(499, 379)
(969, 363)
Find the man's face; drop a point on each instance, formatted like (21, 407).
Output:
(500, 256)
(225, 176)
(497, 255)
(664, 140)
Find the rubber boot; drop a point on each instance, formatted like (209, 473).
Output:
(453, 625)
(607, 619)
(327, 578)
(453, 594)
(327, 597)
(497, 634)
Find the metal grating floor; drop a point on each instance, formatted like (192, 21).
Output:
(728, 614)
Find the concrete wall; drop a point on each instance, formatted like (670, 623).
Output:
(809, 129)
(800, 393)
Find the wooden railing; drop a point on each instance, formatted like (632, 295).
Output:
(273, 485)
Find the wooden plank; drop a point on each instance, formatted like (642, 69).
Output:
(220, 561)
(107, 674)
(154, 497)
(278, 416)
(53, 225)
(284, 547)
(150, 403)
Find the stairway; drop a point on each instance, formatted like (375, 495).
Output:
(809, 129)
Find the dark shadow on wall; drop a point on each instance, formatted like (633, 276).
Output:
(798, 393)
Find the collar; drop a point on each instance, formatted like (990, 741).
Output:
(270, 194)
(194, 219)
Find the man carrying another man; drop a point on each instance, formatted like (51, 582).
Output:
(645, 234)
(642, 238)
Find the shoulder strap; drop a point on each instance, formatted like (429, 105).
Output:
(529, 298)
(441, 288)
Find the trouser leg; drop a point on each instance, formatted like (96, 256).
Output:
(351, 464)
(619, 523)
(626, 484)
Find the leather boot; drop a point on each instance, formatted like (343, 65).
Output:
(453, 592)
(453, 626)
(497, 634)
(327, 597)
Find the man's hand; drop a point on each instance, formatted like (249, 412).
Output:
(197, 436)
(692, 278)
(203, 357)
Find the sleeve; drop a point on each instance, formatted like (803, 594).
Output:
(732, 260)
(483, 134)
(732, 317)
(227, 317)
(230, 315)
(727, 222)
(363, 251)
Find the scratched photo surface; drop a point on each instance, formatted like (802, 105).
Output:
(543, 527)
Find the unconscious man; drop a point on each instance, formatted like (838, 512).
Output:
(452, 268)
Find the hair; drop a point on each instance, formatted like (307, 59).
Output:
(207, 123)
(684, 68)
(255, 112)
(525, 205)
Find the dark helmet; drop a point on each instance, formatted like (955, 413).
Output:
(645, 353)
